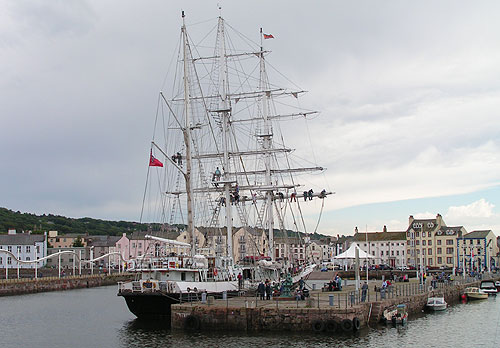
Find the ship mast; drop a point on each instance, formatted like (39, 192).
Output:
(267, 136)
(225, 113)
(187, 138)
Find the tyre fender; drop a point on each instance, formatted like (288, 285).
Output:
(346, 325)
(318, 326)
(356, 323)
(331, 326)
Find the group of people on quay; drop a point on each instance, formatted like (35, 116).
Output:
(335, 284)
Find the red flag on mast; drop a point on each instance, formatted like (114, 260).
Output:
(268, 36)
(153, 162)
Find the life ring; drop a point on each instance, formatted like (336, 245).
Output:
(346, 325)
(192, 323)
(331, 326)
(318, 326)
(356, 323)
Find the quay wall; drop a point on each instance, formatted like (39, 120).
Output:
(261, 319)
(243, 316)
(26, 286)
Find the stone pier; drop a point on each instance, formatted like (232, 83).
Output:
(316, 314)
(26, 286)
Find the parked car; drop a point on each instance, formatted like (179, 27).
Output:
(403, 268)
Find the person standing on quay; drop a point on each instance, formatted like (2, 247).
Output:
(240, 281)
(261, 290)
(364, 291)
(268, 290)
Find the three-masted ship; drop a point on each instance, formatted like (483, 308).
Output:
(219, 156)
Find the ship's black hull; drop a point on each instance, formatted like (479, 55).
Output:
(157, 305)
(154, 305)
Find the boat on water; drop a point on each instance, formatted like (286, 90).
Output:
(474, 293)
(396, 315)
(497, 285)
(219, 158)
(488, 286)
(436, 304)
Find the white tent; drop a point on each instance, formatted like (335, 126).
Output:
(351, 253)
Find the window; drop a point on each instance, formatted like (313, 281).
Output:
(440, 260)
(423, 234)
(418, 242)
(418, 234)
(28, 248)
(439, 242)
(402, 252)
(429, 243)
(38, 249)
(1, 261)
(478, 242)
(9, 260)
(382, 253)
(9, 248)
(423, 242)
(423, 251)
(449, 260)
(439, 251)
(139, 253)
(449, 242)
(429, 261)
(70, 260)
(28, 258)
(140, 244)
(18, 248)
(392, 252)
(133, 244)
(397, 252)
(429, 251)
(449, 250)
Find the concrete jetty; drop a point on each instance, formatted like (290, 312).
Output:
(323, 311)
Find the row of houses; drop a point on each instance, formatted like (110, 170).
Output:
(432, 244)
(427, 242)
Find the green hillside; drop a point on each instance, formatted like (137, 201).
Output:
(40, 223)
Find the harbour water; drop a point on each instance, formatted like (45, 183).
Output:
(96, 317)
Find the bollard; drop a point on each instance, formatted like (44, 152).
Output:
(331, 300)
(203, 297)
(314, 286)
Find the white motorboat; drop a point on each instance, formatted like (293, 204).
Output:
(488, 286)
(436, 303)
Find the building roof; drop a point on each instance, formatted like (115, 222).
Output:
(21, 239)
(450, 230)
(380, 236)
(477, 234)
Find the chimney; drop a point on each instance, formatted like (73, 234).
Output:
(356, 229)
(385, 228)
(439, 220)
(410, 220)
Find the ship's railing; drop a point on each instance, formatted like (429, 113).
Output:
(147, 286)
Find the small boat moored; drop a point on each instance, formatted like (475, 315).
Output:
(488, 286)
(436, 303)
(474, 293)
(497, 285)
(398, 315)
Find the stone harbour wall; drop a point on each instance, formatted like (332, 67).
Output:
(27, 286)
(260, 319)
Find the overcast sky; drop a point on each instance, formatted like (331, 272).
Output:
(409, 94)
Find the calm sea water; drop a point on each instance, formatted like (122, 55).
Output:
(98, 318)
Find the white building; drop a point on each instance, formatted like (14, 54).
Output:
(25, 247)
(388, 248)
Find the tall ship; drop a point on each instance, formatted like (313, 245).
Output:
(219, 163)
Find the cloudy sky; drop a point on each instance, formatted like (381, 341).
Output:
(409, 94)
